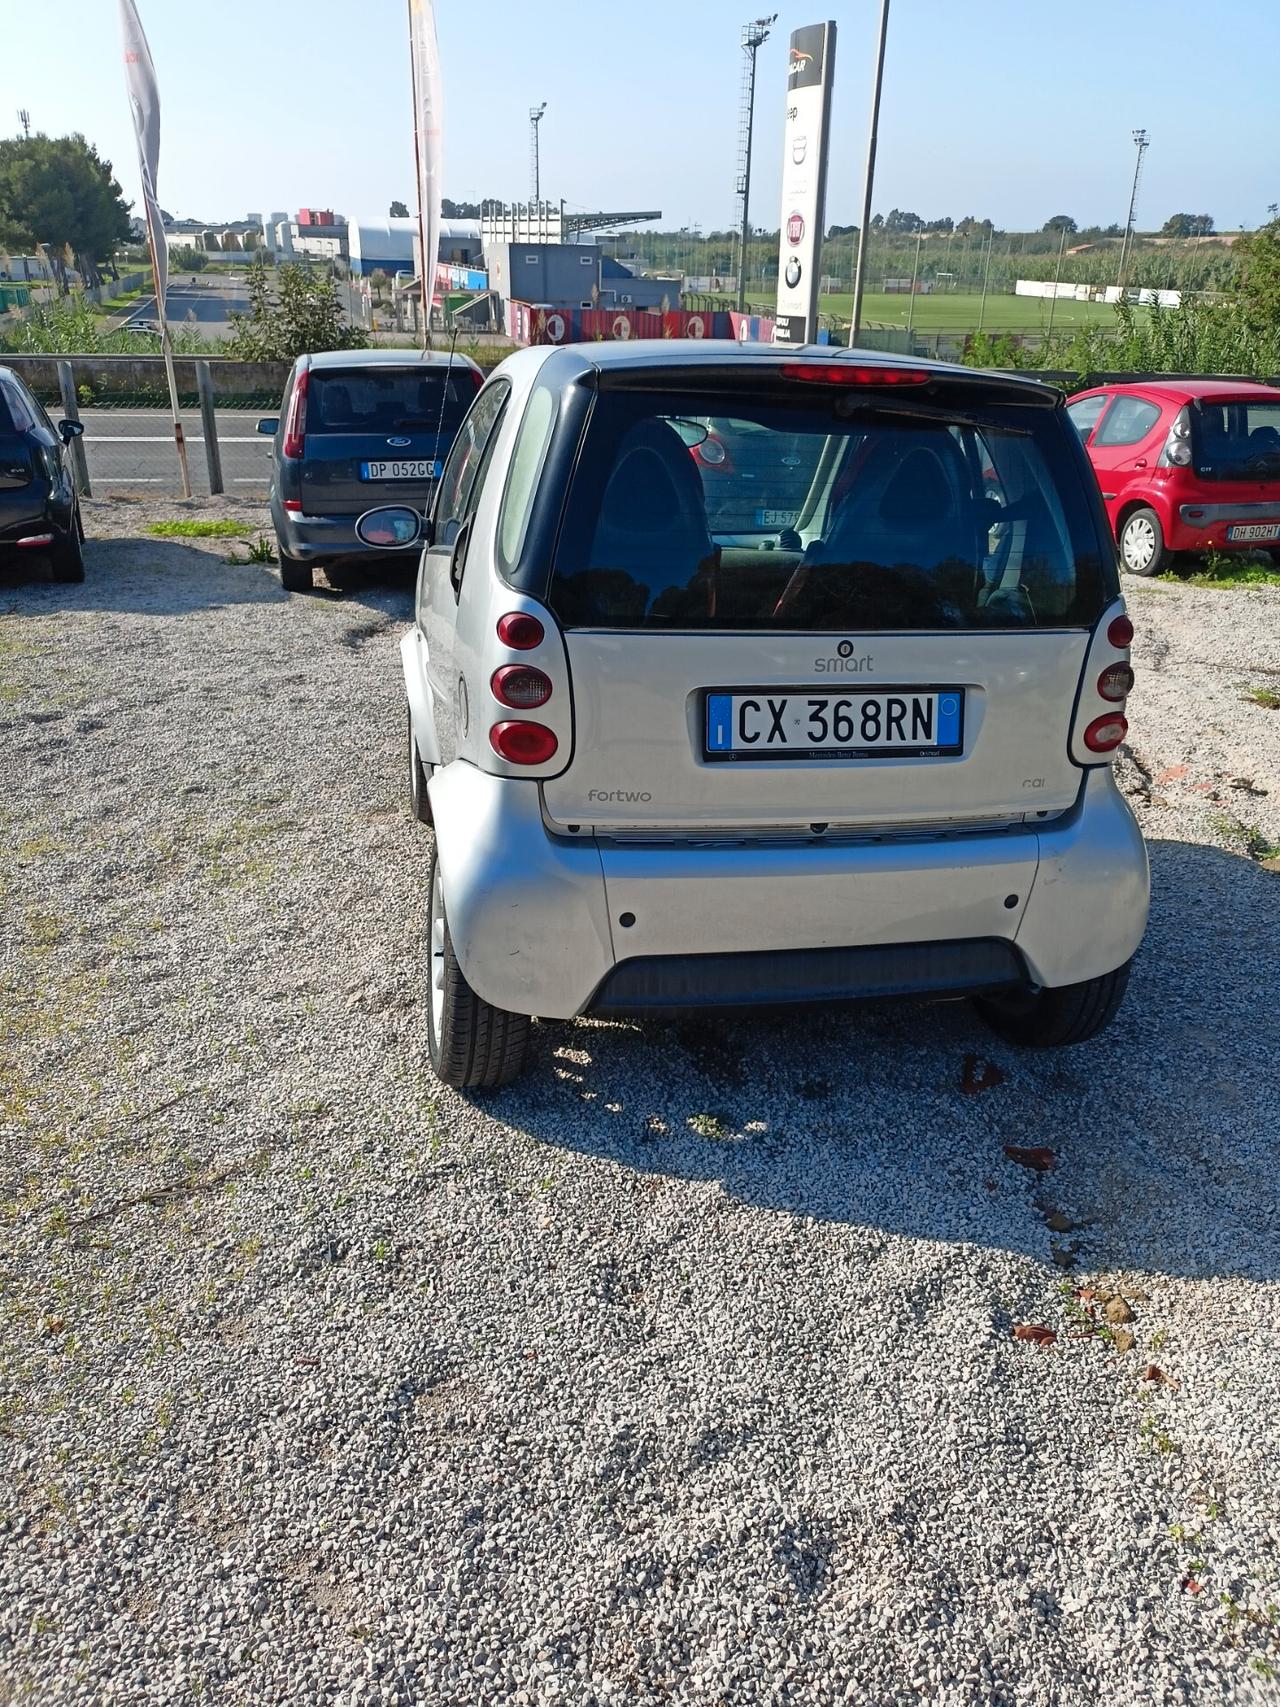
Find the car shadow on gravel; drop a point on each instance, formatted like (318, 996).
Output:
(175, 578)
(1163, 1130)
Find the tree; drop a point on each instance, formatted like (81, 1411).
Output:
(302, 317)
(1060, 222)
(899, 219)
(398, 211)
(1258, 258)
(1187, 225)
(58, 191)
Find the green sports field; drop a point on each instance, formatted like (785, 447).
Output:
(959, 313)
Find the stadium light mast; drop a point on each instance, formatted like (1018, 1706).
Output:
(859, 272)
(754, 36)
(535, 119)
(1141, 142)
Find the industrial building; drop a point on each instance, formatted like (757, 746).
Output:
(391, 245)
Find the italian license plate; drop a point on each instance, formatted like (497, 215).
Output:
(1255, 530)
(794, 723)
(400, 470)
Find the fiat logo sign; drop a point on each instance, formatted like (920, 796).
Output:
(795, 230)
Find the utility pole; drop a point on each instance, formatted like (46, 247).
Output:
(24, 119)
(1141, 141)
(986, 274)
(535, 119)
(864, 231)
(754, 36)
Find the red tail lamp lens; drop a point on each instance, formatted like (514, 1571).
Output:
(521, 686)
(1105, 734)
(520, 631)
(523, 743)
(1120, 632)
(1116, 683)
(844, 373)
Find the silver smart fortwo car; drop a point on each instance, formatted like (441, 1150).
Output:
(742, 675)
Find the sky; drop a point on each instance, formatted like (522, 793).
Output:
(1012, 110)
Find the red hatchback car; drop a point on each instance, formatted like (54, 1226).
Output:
(1185, 465)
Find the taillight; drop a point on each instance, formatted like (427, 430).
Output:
(1105, 734)
(1115, 682)
(1177, 447)
(520, 686)
(1120, 632)
(523, 743)
(477, 379)
(295, 429)
(845, 373)
(520, 631)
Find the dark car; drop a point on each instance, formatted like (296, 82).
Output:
(359, 428)
(39, 513)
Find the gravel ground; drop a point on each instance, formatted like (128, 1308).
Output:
(684, 1371)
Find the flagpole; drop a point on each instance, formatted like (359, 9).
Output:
(166, 344)
(428, 291)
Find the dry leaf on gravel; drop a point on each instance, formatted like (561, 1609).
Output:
(1037, 1158)
(978, 1075)
(1034, 1333)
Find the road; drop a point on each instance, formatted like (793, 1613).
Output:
(208, 303)
(133, 449)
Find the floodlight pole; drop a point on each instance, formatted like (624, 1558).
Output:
(1141, 142)
(754, 36)
(859, 275)
(535, 120)
(1053, 300)
(915, 274)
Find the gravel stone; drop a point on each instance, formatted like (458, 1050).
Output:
(682, 1371)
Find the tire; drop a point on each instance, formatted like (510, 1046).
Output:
(1142, 547)
(472, 1045)
(419, 800)
(1055, 1019)
(295, 577)
(67, 554)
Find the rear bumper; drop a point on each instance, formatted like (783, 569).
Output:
(560, 926)
(315, 539)
(1198, 527)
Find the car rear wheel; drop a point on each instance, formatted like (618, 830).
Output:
(68, 557)
(295, 577)
(1054, 1019)
(419, 799)
(472, 1045)
(1142, 547)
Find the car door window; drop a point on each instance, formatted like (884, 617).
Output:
(460, 481)
(1085, 414)
(19, 413)
(1128, 422)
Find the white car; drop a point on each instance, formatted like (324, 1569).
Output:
(860, 745)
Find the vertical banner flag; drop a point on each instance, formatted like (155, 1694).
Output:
(810, 72)
(144, 103)
(428, 124)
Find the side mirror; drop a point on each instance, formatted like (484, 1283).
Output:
(269, 427)
(390, 529)
(68, 430)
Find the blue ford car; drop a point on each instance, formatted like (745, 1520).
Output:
(358, 428)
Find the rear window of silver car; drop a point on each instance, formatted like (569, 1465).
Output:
(768, 514)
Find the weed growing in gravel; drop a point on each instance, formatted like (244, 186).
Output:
(260, 550)
(221, 529)
(1267, 698)
(1234, 829)
(710, 1126)
(1222, 573)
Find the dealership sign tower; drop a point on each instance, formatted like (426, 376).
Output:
(810, 70)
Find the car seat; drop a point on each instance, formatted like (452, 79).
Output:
(653, 526)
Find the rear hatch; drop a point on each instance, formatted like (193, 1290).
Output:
(22, 493)
(885, 626)
(1235, 446)
(379, 435)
